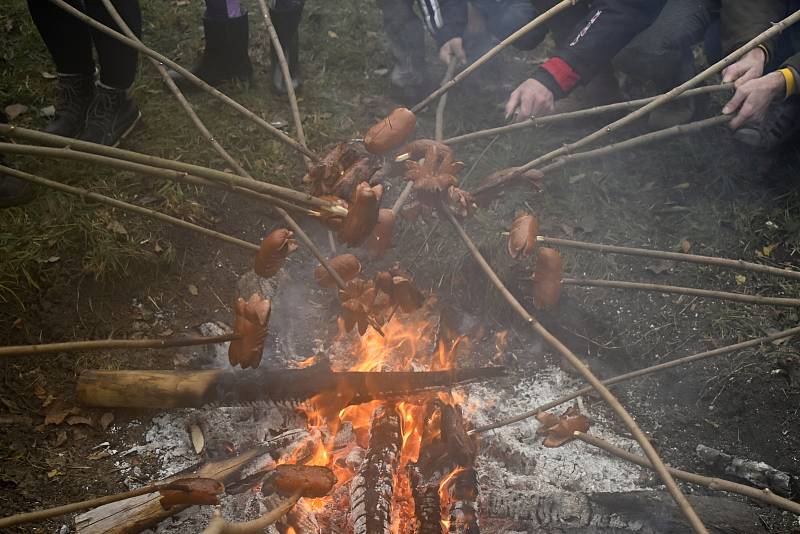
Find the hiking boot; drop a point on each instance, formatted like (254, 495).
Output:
(287, 24)
(13, 191)
(75, 93)
(781, 122)
(110, 117)
(224, 57)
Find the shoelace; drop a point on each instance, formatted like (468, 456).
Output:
(103, 102)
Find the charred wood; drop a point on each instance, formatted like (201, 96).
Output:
(372, 487)
(464, 503)
(427, 505)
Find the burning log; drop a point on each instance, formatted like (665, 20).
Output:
(372, 487)
(463, 489)
(190, 389)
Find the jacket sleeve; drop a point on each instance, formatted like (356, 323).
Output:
(445, 19)
(741, 21)
(607, 28)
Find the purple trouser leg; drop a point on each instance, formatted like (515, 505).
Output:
(223, 9)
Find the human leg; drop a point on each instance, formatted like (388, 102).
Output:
(286, 16)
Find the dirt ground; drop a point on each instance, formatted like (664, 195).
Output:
(72, 270)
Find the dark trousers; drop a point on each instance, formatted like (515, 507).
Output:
(70, 41)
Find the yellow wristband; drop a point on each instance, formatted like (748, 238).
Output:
(791, 83)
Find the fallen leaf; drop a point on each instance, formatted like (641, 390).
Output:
(767, 250)
(193, 290)
(685, 246)
(198, 438)
(683, 185)
(660, 266)
(116, 227)
(53, 259)
(560, 429)
(78, 420)
(53, 473)
(740, 279)
(48, 111)
(61, 438)
(18, 323)
(57, 416)
(332, 35)
(99, 455)
(15, 110)
(106, 419)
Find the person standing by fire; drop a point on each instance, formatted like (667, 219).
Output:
(100, 111)
(225, 56)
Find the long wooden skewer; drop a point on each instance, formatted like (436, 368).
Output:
(673, 256)
(114, 155)
(128, 207)
(666, 97)
(658, 135)
(716, 484)
(538, 21)
(287, 75)
(137, 45)
(638, 374)
(109, 344)
(691, 291)
(534, 122)
(602, 390)
(218, 525)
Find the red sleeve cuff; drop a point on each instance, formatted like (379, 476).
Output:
(562, 73)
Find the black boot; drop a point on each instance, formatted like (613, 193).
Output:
(781, 123)
(224, 56)
(75, 93)
(287, 25)
(111, 116)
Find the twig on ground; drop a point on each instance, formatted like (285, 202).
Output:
(287, 76)
(128, 207)
(638, 374)
(538, 21)
(673, 256)
(662, 288)
(109, 344)
(579, 114)
(716, 484)
(137, 45)
(219, 526)
(608, 397)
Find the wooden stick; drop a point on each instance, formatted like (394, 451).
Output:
(663, 288)
(666, 97)
(227, 178)
(128, 207)
(579, 366)
(538, 21)
(40, 515)
(638, 374)
(534, 122)
(438, 134)
(658, 135)
(138, 46)
(673, 256)
(108, 344)
(716, 484)
(176, 92)
(287, 76)
(218, 525)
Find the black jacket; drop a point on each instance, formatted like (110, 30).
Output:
(606, 29)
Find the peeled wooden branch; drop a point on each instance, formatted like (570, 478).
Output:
(538, 21)
(128, 207)
(666, 97)
(115, 155)
(638, 374)
(287, 75)
(138, 46)
(704, 293)
(659, 135)
(603, 391)
(672, 256)
(219, 526)
(108, 344)
(534, 122)
(716, 484)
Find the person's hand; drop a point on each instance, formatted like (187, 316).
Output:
(749, 67)
(454, 48)
(754, 97)
(530, 99)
